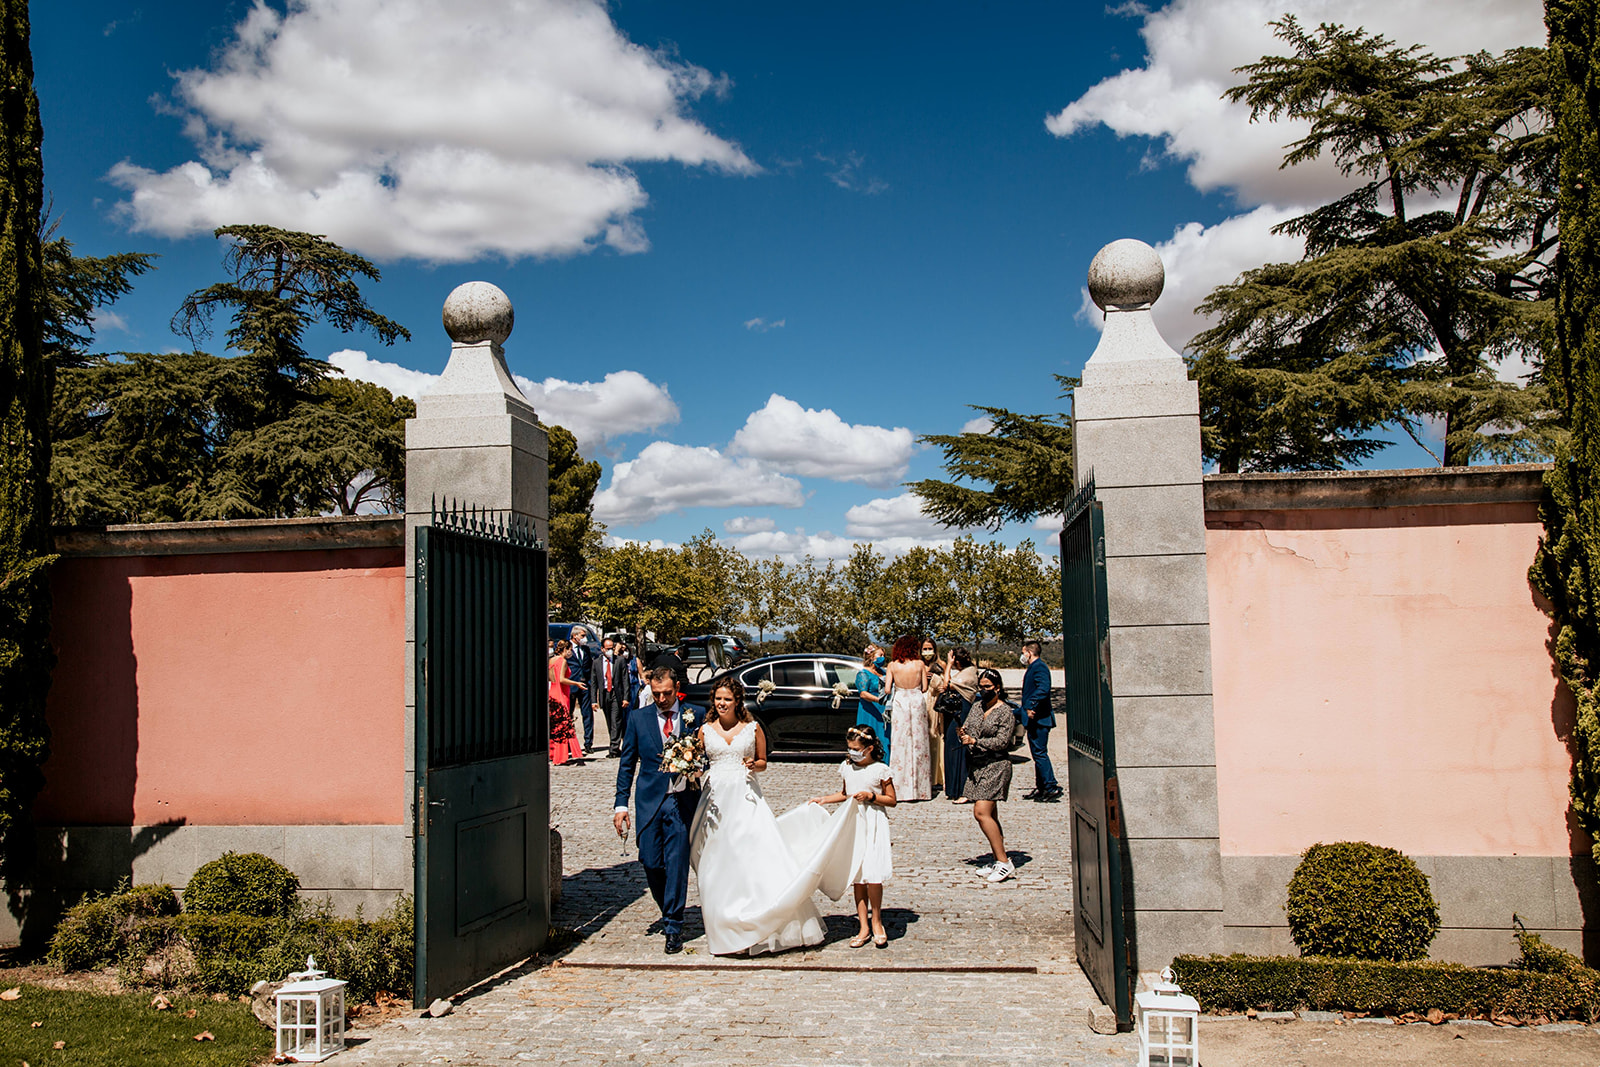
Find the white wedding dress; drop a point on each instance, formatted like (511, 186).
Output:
(757, 873)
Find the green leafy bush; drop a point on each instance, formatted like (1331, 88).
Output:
(230, 953)
(1289, 983)
(1359, 901)
(96, 931)
(242, 883)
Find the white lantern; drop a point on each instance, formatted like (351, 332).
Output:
(1169, 1025)
(310, 1015)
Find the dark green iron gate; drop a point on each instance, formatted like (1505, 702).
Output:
(1097, 916)
(482, 748)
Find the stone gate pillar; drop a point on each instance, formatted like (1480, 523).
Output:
(475, 440)
(1136, 428)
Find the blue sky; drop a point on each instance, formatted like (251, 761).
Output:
(754, 249)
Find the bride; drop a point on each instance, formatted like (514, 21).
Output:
(755, 894)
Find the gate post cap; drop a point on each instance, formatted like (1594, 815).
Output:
(1126, 275)
(475, 312)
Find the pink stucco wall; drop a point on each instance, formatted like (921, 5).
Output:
(228, 689)
(1381, 674)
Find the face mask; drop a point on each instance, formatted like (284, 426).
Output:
(880, 661)
(927, 653)
(1022, 658)
(857, 755)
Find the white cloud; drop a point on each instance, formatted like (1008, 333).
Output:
(612, 541)
(760, 325)
(1051, 522)
(981, 424)
(819, 444)
(625, 402)
(749, 524)
(401, 381)
(792, 546)
(106, 319)
(665, 478)
(1192, 47)
(895, 516)
(443, 130)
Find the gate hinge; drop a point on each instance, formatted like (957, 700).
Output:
(422, 810)
(1113, 809)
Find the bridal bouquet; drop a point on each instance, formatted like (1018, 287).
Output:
(685, 757)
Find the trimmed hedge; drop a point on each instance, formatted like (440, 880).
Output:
(1382, 987)
(141, 934)
(1360, 901)
(242, 883)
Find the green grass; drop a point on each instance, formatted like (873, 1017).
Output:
(125, 1031)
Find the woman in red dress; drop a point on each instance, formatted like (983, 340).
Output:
(564, 743)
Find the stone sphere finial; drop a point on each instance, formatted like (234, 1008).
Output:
(1125, 275)
(475, 312)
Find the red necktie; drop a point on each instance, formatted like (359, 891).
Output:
(666, 727)
(608, 676)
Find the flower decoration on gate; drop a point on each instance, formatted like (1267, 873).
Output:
(840, 691)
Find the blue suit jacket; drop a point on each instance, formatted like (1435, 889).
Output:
(641, 751)
(1036, 694)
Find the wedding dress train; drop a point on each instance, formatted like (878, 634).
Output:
(757, 873)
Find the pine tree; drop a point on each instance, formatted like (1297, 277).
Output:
(1017, 469)
(574, 538)
(25, 384)
(1402, 309)
(1567, 569)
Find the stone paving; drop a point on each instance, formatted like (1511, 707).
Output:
(973, 973)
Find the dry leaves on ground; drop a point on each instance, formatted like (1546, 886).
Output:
(204, 1035)
(11, 994)
(191, 1013)
(37, 1025)
(160, 1003)
(59, 1045)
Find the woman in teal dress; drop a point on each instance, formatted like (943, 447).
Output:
(869, 686)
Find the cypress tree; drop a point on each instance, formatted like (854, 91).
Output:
(25, 386)
(1567, 568)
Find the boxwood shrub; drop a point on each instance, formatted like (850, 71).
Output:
(96, 932)
(242, 883)
(1356, 900)
(1383, 987)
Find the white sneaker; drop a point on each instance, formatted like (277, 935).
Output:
(983, 872)
(1002, 872)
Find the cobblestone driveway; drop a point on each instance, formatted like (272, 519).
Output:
(973, 973)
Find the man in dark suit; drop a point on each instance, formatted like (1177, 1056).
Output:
(580, 661)
(606, 685)
(663, 803)
(1035, 705)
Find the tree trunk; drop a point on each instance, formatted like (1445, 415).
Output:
(25, 390)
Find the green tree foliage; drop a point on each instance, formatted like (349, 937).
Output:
(1006, 595)
(1400, 311)
(729, 574)
(1567, 568)
(646, 588)
(574, 538)
(1018, 469)
(821, 616)
(145, 438)
(283, 282)
(916, 594)
(25, 386)
(74, 286)
(771, 596)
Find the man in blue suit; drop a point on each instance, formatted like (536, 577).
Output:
(1035, 705)
(663, 803)
(580, 661)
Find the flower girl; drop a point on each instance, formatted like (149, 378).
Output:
(866, 779)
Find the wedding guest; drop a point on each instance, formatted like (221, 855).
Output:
(630, 664)
(930, 659)
(1035, 705)
(580, 658)
(987, 736)
(564, 743)
(866, 779)
(961, 686)
(869, 685)
(911, 761)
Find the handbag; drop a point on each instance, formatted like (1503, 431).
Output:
(950, 703)
(1019, 736)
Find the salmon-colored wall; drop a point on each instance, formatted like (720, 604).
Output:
(1381, 674)
(239, 689)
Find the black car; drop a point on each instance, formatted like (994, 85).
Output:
(797, 712)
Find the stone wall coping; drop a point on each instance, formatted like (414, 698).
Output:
(322, 532)
(1429, 486)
